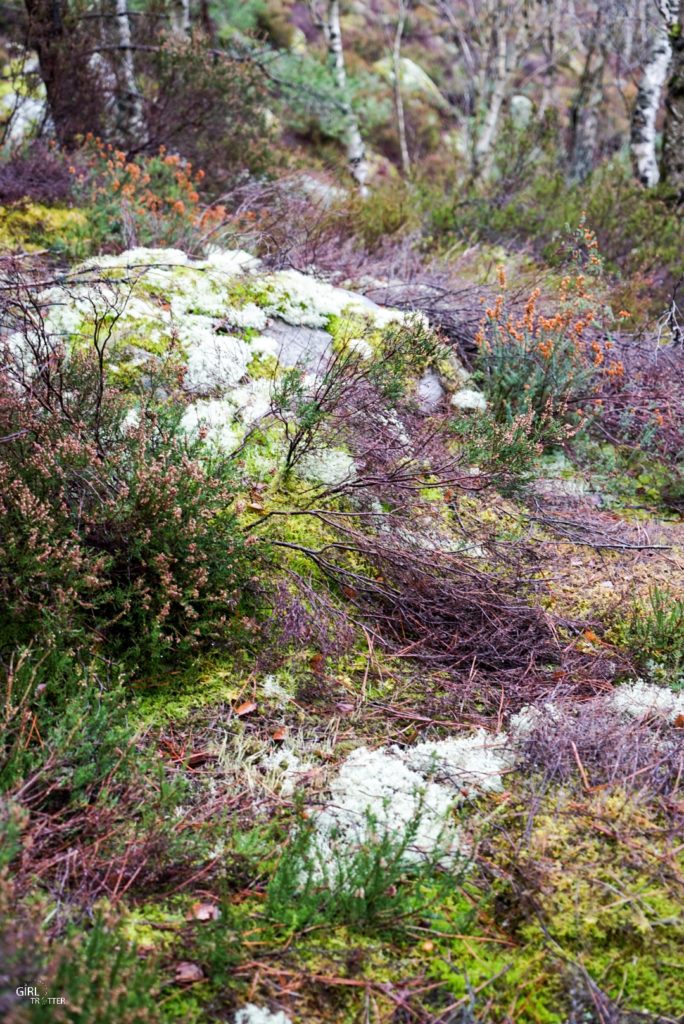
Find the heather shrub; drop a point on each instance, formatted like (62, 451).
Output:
(67, 725)
(142, 201)
(506, 452)
(97, 974)
(35, 174)
(387, 212)
(368, 887)
(655, 634)
(209, 108)
(119, 531)
(546, 365)
(642, 246)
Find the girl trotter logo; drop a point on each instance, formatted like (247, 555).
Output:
(38, 997)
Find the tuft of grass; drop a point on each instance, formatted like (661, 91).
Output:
(655, 634)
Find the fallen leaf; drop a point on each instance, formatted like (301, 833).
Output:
(187, 973)
(280, 733)
(317, 664)
(205, 912)
(679, 722)
(246, 708)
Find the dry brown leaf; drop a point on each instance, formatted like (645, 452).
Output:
(317, 664)
(280, 733)
(187, 973)
(246, 708)
(205, 912)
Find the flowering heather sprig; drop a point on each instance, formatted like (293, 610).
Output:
(148, 200)
(126, 542)
(547, 364)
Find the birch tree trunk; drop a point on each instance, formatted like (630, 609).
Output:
(550, 44)
(180, 18)
(507, 49)
(398, 98)
(356, 150)
(484, 147)
(130, 121)
(645, 113)
(586, 106)
(673, 134)
(586, 124)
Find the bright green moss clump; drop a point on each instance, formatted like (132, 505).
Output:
(34, 226)
(592, 893)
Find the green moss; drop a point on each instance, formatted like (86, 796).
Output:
(262, 366)
(35, 226)
(349, 325)
(175, 696)
(152, 927)
(244, 290)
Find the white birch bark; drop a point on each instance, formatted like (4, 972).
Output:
(484, 147)
(649, 95)
(398, 98)
(180, 17)
(356, 150)
(130, 118)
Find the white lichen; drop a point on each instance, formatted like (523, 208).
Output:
(641, 699)
(286, 770)
(376, 794)
(329, 466)
(214, 417)
(469, 399)
(409, 793)
(253, 1014)
(473, 763)
(306, 301)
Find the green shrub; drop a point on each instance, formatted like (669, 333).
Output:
(642, 242)
(101, 978)
(387, 211)
(371, 886)
(655, 634)
(506, 453)
(141, 201)
(119, 536)
(532, 364)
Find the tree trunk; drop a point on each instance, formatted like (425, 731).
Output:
(586, 108)
(73, 97)
(673, 134)
(398, 98)
(130, 121)
(484, 147)
(356, 151)
(507, 48)
(180, 18)
(645, 113)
